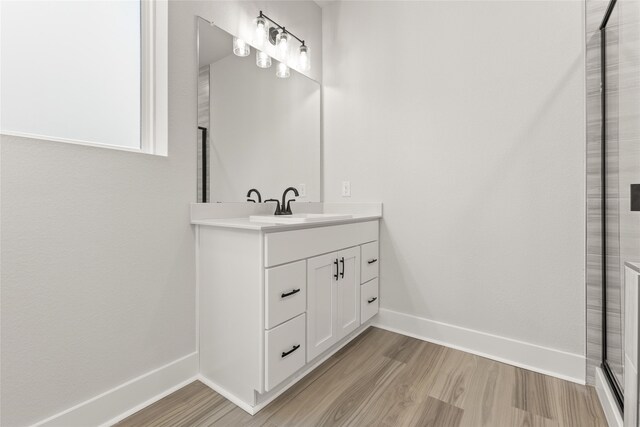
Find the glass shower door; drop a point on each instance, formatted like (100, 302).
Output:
(613, 352)
(620, 150)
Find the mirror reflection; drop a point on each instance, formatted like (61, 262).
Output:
(258, 126)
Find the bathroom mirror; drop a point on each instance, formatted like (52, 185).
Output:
(255, 130)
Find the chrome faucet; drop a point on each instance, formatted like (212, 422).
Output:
(286, 208)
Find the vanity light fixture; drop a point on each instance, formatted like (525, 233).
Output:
(303, 58)
(280, 37)
(282, 44)
(261, 30)
(282, 70)
(262, 59)
(240, 47)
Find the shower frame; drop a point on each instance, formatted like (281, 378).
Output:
(606, 369)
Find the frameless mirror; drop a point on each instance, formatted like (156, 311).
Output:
(255, 130)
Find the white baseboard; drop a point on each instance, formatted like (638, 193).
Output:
(609, 406)
(128, 398)
(549, 361)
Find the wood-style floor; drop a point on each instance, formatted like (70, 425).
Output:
(386, 379)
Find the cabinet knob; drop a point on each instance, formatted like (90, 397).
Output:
(294, 348)
(342, 273)
(370, 300)
(371, 261)
(336, 264)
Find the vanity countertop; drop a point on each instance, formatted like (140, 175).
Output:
(236, 215)
(245, 224)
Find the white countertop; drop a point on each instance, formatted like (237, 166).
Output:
(245, 224)
(236, 215)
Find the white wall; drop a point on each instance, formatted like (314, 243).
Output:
(467, 120)
(71, 70)
(98, 274)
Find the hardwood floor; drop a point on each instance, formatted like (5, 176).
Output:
(386, 379)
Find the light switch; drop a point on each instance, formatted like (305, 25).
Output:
(302, 190)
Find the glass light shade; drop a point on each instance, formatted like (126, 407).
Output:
(261, 30)
(282, 44)
(282, 70)
(262, 59)
(240, 47)
(304, 59)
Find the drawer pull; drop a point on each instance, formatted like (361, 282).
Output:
(371, 261)
(288, 294)
(286, 353)
(342, 273)
(370, 300)
(336, 264)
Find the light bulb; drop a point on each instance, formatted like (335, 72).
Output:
(304, 58)
(282, 71)
(262, 59)
(240, 48)
(261, 30)
(282, 44)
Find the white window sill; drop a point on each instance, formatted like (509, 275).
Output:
(78, 142)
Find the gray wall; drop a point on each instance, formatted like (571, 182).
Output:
(98, 267)
(467, 121)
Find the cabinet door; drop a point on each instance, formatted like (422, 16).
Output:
(321, 304)
(348, 288)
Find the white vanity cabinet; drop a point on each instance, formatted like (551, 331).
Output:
(274, 302)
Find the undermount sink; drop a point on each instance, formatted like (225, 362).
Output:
(297, 218)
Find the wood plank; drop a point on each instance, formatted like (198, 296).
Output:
(518, 418)
(436, 413)
(491, 391)
(452, 383)
(534, 393)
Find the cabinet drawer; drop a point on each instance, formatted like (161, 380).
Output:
(285, 293)
(284, 351)
(369, 300)
(286, 246)
(370, 261)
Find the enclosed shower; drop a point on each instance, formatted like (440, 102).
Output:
(613, 170)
